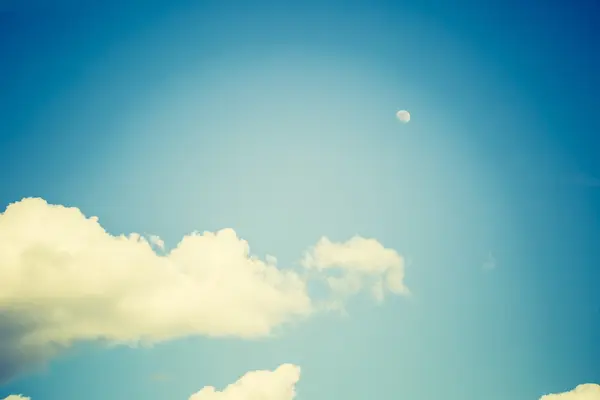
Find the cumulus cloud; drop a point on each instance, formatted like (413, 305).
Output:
(586, 391)
(63, 279)
(17, 397)
(356, 264)
(279, 384)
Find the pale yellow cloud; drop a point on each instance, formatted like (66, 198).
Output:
(586, 391)
(279, 384)
(83, 283)
(360, 263)
(63, 279)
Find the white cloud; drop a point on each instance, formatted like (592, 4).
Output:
(17, 397)
(359, 263)
(279, 384)
(489, 263)
(586, 391)
(63, 279)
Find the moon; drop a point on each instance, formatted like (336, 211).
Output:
(403, 116)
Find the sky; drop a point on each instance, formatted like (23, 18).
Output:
(206, 200)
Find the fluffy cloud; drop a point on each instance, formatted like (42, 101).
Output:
(587, 391)
(17, 397)
(356, 264)
(63, 279)
(279, 384)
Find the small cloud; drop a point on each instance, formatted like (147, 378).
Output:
(586, 180)
(586, 391)
(357, 264)
(156, 241)
(490, 263)
(279, 384)
(161, 377)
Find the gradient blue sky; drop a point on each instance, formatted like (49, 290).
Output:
(277, 119)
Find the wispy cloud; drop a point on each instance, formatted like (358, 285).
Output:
(586, 180)
(490, 263)
(161, 377)
(581, 179)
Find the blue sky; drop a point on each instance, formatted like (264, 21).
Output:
(277, 120)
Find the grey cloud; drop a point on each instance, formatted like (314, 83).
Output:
(16, 356)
